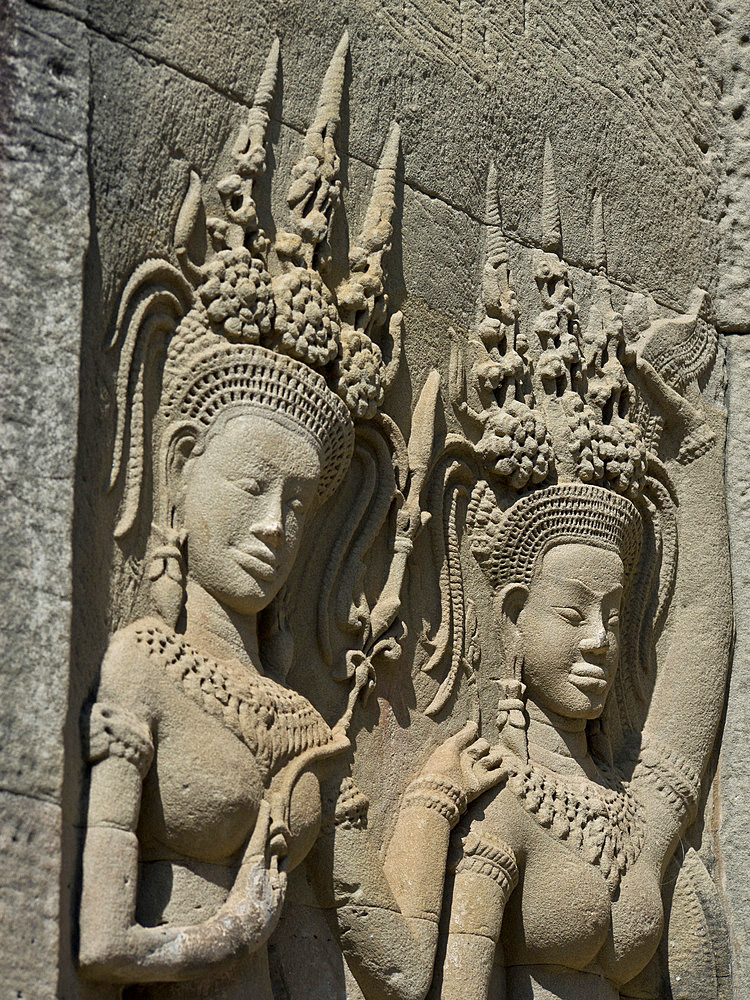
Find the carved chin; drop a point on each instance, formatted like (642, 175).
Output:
(583, 699)
(593, 682)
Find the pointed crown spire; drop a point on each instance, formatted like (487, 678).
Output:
(237, 335)
(316, 185)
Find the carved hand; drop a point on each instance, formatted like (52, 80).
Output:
(470, 764)
(257, 897)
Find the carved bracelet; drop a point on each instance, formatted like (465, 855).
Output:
(436, 793)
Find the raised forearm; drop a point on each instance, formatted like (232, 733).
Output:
(390, 955)
(485, 877)
(415, 862)
(688, 696)
(388, 915)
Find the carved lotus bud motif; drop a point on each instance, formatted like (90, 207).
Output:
(238, 297)
(307, 321)
(612, 453)
(361, 383)
(515, 445)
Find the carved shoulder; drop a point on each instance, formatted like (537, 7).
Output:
(119, 724)
(127, 678)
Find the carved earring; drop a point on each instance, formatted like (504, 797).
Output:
(167, 573)
(511, 710)
(277, 645)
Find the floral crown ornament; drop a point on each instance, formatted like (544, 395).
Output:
(561, 429)
(237, 335)
(554, 425)
(550, 453)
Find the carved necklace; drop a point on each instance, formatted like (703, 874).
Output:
(601, 823)
(274, 722)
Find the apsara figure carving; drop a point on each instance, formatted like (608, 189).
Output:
(204, 786)
(596, 454)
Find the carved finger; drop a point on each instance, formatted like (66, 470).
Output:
(279, 840)
(464, 737)
(492, 760)
(478, 749)
(256, 847)
(278, 886)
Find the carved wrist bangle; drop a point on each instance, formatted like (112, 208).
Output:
(402, 544)
(495, 861)
(674, 778)
(439, 794)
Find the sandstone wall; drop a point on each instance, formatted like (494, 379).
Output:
(106, 108)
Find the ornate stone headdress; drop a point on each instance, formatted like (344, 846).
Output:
(554, 430)
(286, 344)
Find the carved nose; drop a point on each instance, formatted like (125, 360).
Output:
(596, 643)
(271, 531)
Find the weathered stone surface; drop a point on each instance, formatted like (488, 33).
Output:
(734, 766)
(621, 99)
(46, 228)
(732, 23)
(45, 235)
(112, 106)
(30, 832)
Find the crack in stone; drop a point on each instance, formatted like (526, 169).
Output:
(35, 796)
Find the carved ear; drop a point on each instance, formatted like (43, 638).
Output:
(509, 603)
(179, 447)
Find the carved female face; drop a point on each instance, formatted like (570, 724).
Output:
(243, 502)
(568, 629)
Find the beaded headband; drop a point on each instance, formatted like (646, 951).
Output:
(508, 545)
(239, 374)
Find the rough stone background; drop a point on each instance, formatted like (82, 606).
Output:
(105, 107)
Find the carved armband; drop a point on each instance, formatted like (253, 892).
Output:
(674, 778)
(115, 732)
(495, 861)
(430, 792)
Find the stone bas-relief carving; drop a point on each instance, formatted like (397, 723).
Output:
(204, 789)
(594, 523)
(585, 576)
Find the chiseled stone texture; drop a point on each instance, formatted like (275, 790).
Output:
(45, 234)
(731, 20)
(628, 96)
(734, 764)
(30, 831)
(629, 93)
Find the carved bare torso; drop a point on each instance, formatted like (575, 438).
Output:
(562, 913)
(223, 737)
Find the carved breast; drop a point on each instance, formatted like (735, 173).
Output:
(220, 737)
(562, 912)
(202, 793)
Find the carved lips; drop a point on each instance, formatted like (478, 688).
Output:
(588, 676)
(258, 560)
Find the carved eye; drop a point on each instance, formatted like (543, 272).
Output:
(295, 504)
(251, 486)
(571, 615)
(614, 620)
